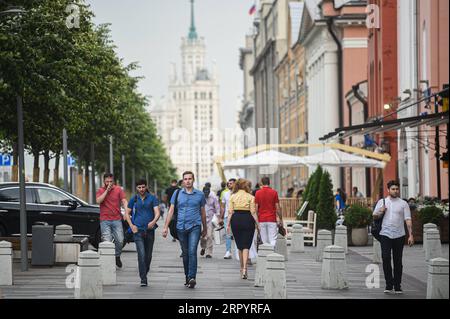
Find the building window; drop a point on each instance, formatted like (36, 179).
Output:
(195, 95)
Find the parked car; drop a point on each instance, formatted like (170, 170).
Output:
(48, 204)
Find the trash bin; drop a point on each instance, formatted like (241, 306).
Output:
(43, 251)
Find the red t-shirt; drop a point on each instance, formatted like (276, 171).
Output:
(110, 207)
(267, 198)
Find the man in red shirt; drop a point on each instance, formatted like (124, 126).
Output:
(110, 198)
(269, 212)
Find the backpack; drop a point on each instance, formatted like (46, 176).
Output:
(173, 222)
(376, 225)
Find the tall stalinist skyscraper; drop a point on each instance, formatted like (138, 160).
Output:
(188, 118)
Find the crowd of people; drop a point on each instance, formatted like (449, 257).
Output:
(249, 217)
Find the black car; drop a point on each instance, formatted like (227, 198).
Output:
(48, 204)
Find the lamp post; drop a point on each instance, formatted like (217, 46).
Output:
(22, 194)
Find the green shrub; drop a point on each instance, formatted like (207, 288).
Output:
(357, 216)
(313, 193)
(430, 214)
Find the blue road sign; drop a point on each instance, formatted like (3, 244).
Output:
(70, 161)
(5, 160)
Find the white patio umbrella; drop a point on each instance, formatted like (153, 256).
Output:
(337, 158)
(264, 159)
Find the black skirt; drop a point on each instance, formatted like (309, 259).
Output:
(243, 228)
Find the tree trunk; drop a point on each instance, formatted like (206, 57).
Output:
(56, 171)
(36, 166)
(15, 168)
(46, 166)
(86, 182)
(80, 181)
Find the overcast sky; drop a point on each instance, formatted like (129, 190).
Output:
(150, 31)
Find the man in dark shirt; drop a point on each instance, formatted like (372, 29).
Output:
(170, 190)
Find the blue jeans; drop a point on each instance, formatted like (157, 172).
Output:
(227, 236)
(144, 246)
(189, 240)
(113, 230)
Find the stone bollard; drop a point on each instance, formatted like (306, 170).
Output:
(370, 240)
(281, 246)
(260, 273)
(6, 276)
(298, 239)
(324, 239)
(340, 237)
(275, 286)
(107, 252)
(437, 283)
(427, 227)
(63, 233)
(334, 268)
(376, 257)
(433, 245)
(89, 281)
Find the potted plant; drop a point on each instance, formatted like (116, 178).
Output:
(430, 214)
(358, 218)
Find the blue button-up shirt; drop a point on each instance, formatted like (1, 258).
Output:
(189, 208)
(143, 212)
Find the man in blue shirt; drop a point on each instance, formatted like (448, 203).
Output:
(145, 208)
(191, 217)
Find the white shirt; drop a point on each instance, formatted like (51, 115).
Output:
(226, 201)
(397, 211)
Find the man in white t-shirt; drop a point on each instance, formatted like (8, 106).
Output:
(395, 212)
(224, 202)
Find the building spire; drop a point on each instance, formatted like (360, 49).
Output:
(192, 31)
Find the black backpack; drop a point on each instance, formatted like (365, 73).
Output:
(375, 228)
(173, 222)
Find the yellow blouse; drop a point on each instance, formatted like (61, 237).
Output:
(242, 201)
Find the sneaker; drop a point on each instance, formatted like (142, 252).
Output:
(202, 252)
(186, 283)
(144, 283)
(398, 291)
(192, 283)
(208, 256)
(118, 262)
(388, 290)
(227, 255)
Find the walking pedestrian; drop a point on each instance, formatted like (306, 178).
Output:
(242, 221)
(223, 187)
(145, 209)
(191, 217)
(340, 201)
(395, 212)
(224, 208)
(212, 209)
(269, 212)
(111, 198)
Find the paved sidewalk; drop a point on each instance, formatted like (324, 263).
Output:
(219, 279)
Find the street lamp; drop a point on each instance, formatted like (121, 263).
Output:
(22, 197)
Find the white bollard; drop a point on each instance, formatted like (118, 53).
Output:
(260, 273)
(297, 239)
(324, 239)
(6, 275)
(107, 252)
(63, 233)
(340, 237)
(281, 246)
(437, 283)
(433, 246)
(376, 249)
(427, 227)
(89, 281)
(275, 286)
(334, 268)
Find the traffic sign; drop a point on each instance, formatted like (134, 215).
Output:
(70, 161)
(6, 160)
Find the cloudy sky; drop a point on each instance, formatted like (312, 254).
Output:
(150, 31)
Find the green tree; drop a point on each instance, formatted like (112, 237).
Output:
(326, 215)
(313, 193)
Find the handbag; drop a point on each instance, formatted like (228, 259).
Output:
(174, 220)
(281, 230)
(375, 227)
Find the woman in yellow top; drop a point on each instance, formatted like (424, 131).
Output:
(243, 220)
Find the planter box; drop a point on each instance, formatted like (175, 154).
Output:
(418, 228)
